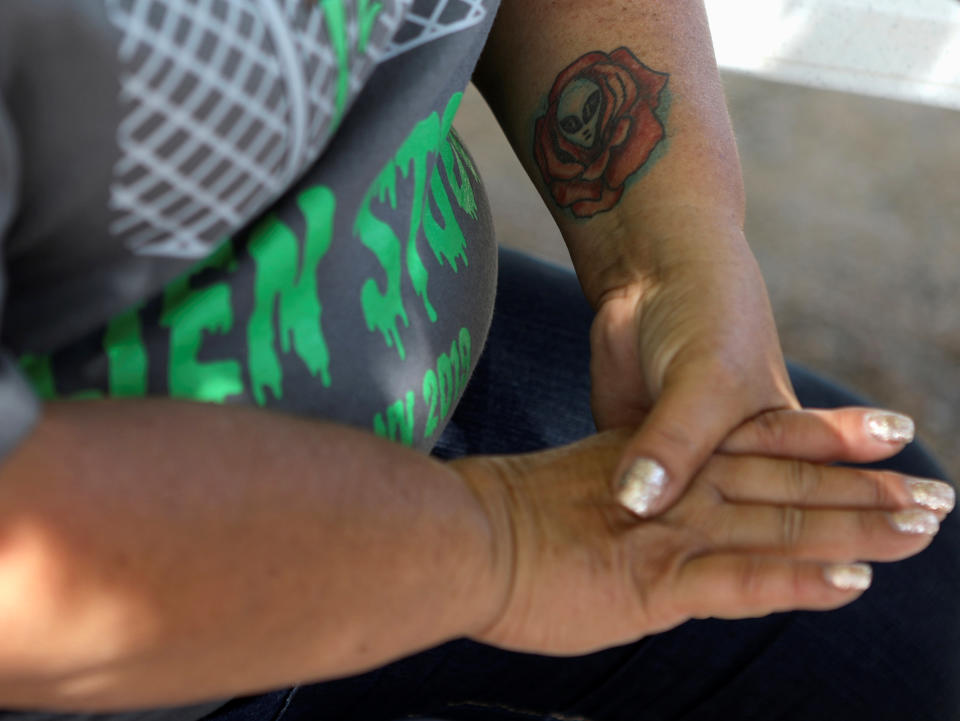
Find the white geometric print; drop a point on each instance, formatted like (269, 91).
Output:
(224, 102)
(425, 25)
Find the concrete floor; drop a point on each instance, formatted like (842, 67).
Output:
(854, 211)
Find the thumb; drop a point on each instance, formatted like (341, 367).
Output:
(684, 428)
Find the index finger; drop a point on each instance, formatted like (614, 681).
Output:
(852, 435)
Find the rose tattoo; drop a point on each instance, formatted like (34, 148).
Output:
(599, 129)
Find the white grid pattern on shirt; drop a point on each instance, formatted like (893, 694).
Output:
(445, 18)
(206, 141)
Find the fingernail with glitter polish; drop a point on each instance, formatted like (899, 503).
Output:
(849, 576)
(889, 427)
(935, 495)
(914, 521)
(642, 485)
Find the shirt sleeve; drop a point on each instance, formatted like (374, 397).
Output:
(19, 405)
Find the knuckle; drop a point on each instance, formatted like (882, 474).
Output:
(675, 436)
(803, 480)
(750, 580)
(866, 526)
(882, 492)
(792, 522)
(770, 430)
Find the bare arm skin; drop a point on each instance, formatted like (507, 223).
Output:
(156, 552)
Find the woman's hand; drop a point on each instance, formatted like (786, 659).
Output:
(685, 356)
(751, 535)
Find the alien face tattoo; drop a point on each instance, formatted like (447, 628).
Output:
(600, 128)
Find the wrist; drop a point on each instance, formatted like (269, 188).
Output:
(637, 251)
(484, 477)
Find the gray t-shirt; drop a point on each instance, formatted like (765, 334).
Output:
(259, 201)
(251, 201)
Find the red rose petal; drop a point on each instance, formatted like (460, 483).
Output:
(597, 168)
(613, 96)
(553, 166)
(622, 84)
(559, 169)
(650, 82)
(582, 156)
(646, 133)
(622, 130)
(574, 191)
(589, 208)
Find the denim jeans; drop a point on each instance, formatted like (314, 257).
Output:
(892, 655)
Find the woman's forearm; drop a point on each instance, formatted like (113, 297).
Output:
(650, 167)
(157, 552)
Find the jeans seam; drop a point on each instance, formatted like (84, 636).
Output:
(286, 704)
(519, 713)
